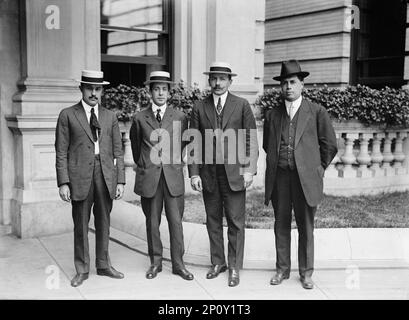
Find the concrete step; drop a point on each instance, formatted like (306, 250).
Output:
(5, 229)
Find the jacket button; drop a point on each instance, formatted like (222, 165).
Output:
(90, 163)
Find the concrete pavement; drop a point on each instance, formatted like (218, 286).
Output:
(41, 268)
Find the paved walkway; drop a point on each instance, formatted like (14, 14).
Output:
(41, 268)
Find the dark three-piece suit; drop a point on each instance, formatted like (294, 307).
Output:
(298, 152)
(224, 192)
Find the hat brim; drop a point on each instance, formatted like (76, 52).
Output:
(229, 73)
(104, 83)
(303, 74)
(158, 81)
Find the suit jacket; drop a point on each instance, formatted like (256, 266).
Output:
(74, 148)
(315, 146)
(237, 115)
(148, 169)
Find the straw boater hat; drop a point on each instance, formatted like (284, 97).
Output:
(93, 77)
(220, 67)
(159, 76)
(290, 68)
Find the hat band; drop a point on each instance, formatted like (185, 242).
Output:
(159, 78)
(90, 79)
(220, 69)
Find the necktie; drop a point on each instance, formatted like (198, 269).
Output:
(158, 117)
(290, 111)
(94, 124)
(219, 106)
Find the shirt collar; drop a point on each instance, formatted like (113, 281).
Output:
(223, 98)
(87, 107)
(162, 108)
(296, 104)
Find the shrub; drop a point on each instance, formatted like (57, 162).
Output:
(125, 100)
(369, 106)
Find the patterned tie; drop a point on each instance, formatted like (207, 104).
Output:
(219, 106)
(94, 125)
(158, 117)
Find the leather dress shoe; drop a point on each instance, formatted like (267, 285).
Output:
(183, 273)
(234, 277)
(307, 283)
(215, 270)
(110, 272)
(153, 271)
(278, 278)
(78, 279)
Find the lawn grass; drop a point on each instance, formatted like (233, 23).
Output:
(380, 211)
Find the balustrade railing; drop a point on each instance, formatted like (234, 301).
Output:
(369, 160)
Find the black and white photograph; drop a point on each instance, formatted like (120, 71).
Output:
(205, 155)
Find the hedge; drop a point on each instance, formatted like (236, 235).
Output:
(387, 106)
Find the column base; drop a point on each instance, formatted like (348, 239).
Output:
(40, 219)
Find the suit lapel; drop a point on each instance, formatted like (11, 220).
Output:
(278, 122)
(167, 117)
(303, 117)
(227, 110)
(210, 111)
(102, 119)
(150, 118)
(82, 119)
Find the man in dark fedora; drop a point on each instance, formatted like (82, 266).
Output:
(156, 139)
(300, 143)
(90, 172)
(223, 181)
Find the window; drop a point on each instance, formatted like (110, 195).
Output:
(134, 39)
(378, 46)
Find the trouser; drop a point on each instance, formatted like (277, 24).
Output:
(99, 198)
(232, 203)
(288, 195)
(174, 207)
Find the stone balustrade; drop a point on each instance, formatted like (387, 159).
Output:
(370, 160)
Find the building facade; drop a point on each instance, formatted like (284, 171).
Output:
(340, 42)
(44, 45)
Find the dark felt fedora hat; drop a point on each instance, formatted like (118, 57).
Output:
(291, 68)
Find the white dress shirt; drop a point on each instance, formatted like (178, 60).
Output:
(296, 105)
(161, 108)
(87, 109)
(222, 101)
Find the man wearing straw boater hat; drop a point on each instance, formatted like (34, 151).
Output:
(156, 139)
(222, 181)
(300, 143)
(90, 172)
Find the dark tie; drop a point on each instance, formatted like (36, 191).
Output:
(94, 124)
(158, 117)
(219, 106)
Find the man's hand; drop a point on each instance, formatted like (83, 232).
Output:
(65, 193)
(248, 180)
(119, 191)
(196, 183)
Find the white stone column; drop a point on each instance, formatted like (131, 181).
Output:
(387, 154)
(398, 154)
(363, 157)
(376, 156)
(214, 30)
(58, 39)
(348, 158)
